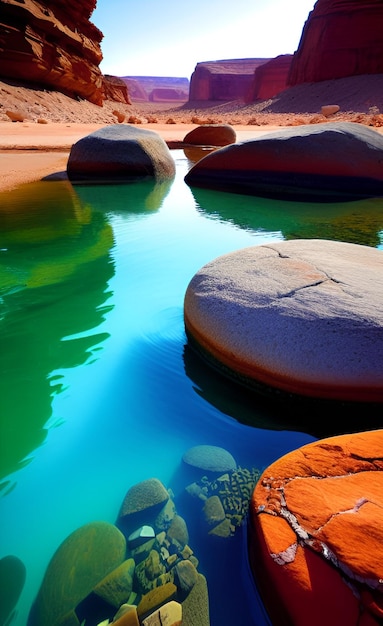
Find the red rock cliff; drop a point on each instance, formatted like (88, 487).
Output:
(223, 80)
(340, 38)
(52, 44)
(270, 78)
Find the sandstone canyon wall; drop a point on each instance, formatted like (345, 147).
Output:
(340, 38)
(52, 44)
(270, 78)
(223, 80)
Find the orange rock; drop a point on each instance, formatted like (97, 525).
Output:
(316, 535)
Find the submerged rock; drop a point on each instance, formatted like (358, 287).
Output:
(209, 458)
(81, 562)
(12, 580)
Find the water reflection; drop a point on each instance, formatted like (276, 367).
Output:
(263, 411)
(139, 198)
(355, 222)
(51, 245)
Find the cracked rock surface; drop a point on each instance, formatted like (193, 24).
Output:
(301, 316)
(316, 533)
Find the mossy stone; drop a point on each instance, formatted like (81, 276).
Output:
(83, 560)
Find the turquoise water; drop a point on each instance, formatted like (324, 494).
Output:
(99, 389)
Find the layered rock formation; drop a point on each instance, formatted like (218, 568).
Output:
(340, 38)
(52, 44)
(157, 88)
(270, 78)
(223, 80)
(115, 89)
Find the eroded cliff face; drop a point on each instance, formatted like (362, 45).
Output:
(223, 80)
(52, 44)
(340, 38)
(270, 78)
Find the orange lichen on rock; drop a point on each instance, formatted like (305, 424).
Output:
(316, 536)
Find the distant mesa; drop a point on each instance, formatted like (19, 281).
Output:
(54, 45)
(157, 88)
(223, 80)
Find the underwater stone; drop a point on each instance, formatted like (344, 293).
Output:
(195, 608)
(165, 517)
(187, 576)
(117, 586)
(178, 530)
(213, 511)
(210, 458)
(85, 557)
(155, 598)
(12, 579)
(170, 614)
(144, 495)
(126, 616)
(140, 536)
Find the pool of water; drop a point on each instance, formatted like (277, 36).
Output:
(99, 388)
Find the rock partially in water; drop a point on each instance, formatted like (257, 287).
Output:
(316, 534)
(211, 135)
(120, 153)
(293, 319)
(328, 162)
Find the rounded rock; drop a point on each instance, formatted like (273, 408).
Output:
(316, 532)
(210, 458)
(301, 317)
(120, 153)
(211, 135)
(314, 162)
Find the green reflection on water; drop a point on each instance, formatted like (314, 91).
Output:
(355, 222)
(51, 245)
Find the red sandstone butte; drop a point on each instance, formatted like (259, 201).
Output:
(270, 78)
(223, 80)
(316, 533)
(340, 38)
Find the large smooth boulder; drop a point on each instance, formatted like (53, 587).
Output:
(331, 161)
(299, 318)
(316, 533)
(211, 135)
(120, 153)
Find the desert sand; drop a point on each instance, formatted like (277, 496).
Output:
(50, 123)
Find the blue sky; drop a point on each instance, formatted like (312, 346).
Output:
(152, 38)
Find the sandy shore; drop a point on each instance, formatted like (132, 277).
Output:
(29, 151)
